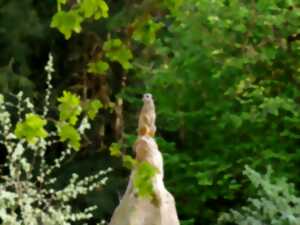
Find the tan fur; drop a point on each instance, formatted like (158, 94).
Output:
(147, 117)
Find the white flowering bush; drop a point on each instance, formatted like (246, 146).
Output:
(28, 190)
(275, 203)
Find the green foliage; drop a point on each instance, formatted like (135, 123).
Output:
(173, 5)
(116, 51)
(129, 162)
(69, 107)
(94, 8)
(142, 179)
(60, 3)
(30, 190)
(187, 222)
(67, 22)
(93, 107)
(68, 133)
(143, 172)
(230, 69)
(70, 21)
(20, 24)
(98, 68)
(32, 128)
(115, 150)
(145, 31)
(274, 203)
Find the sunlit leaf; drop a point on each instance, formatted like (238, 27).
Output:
(69, 107)
(129, 162)
(95, 8)
(67, 22)
(70, 134)
(115, 50)
(142, 179)
(31, 128)
(93, 107)
(115, 149)
(145, 31)
(98, 67)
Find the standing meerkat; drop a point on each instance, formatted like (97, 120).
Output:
(147, 117)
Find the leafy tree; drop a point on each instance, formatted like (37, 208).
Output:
(224, 75)
(232, 66)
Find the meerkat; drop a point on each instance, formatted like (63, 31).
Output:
(147, 117)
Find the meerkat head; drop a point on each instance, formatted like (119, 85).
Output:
(147, 97)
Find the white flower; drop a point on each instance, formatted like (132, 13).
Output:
(85, 125)
(49, 66)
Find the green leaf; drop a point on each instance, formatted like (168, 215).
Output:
(145, 31)
(111, 44)
(204, 178)
(31, 128)
(1, 99)
(60, 3)
(129, 162)
(116, 51)
(98, 67)
(236, 120)
(173, 5)
(240, 28)
(94, 8)
(93, 107)
(68, 133)
(69, 107)
(142, 179)
(67, 22)
(115, 149)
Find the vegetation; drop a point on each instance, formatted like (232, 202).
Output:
(275, 203)
(29, 193)
(224, 75)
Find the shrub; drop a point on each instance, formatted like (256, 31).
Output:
(28, 190)
(274, 204)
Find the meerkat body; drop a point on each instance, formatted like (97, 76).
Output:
(144, 152)
(147, 117)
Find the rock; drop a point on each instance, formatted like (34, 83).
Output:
(135, 210)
